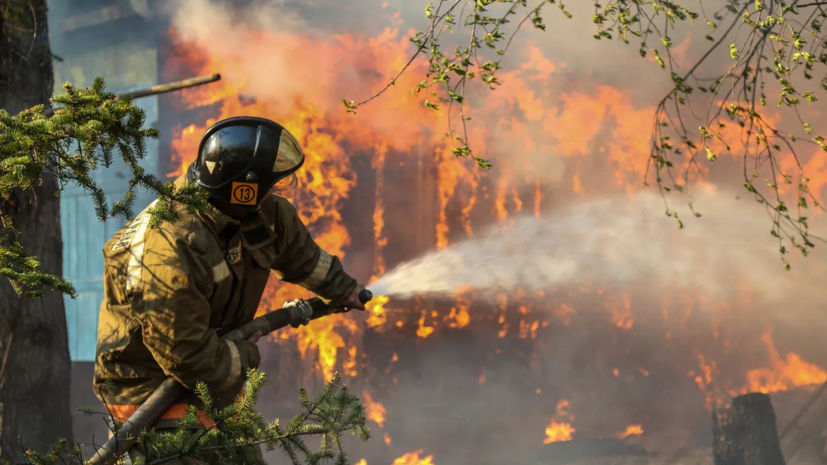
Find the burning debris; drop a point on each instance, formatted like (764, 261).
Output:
(631, 430)
(560, 428)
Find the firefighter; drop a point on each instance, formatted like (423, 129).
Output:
(170, 292)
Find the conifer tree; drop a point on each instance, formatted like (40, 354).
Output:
(34, 350)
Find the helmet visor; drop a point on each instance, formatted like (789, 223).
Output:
(290, 153)
(286, 187)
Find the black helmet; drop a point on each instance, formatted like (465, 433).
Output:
(241, 159)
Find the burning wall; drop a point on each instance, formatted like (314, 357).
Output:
(458, 379)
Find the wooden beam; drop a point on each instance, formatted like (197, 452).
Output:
(162, 88)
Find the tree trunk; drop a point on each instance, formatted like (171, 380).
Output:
(745, 433)
(34, 390)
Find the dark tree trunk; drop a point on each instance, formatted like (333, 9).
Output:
(745, 433)
(34, 390)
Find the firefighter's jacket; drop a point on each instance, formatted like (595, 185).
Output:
(171, 291)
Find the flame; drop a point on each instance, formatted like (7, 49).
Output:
(424, 331)
(325, 340)
(504, 331)
(528, 329)
(560, 428)
(375, 410)
(558, 432)
(621, 314)
(458, 316)
(394, 359)
(704, 379)
(783, 374)
(362, 462)
(564, 313)
(538, 197)
(376, 308)
(378, 165)
(387, 439)
(412, 458)
(631, 430)
(350, 364)
(520, 120)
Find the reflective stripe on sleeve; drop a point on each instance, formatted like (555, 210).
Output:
(235, 366)
(136, 252)
(175, 412)
(319, 273)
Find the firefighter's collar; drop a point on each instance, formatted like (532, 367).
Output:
(217, 220)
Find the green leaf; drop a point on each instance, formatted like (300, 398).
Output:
(733, 52)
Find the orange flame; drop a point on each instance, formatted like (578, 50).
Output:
(375, 410)
(631, 430)
(558, 432)
(350, 364)
(394, 359)
(560, 428)
(378, 165)
(376, 309)
(424, 331)
(783, 374)
(621, 314)
(412, 458)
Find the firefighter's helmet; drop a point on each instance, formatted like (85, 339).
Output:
(242, 160)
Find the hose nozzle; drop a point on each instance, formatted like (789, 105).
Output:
(365, 296)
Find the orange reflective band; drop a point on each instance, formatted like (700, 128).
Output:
(175, 412)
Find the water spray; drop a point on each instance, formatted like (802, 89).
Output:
(615, 244)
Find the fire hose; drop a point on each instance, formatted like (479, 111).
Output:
(295, 314)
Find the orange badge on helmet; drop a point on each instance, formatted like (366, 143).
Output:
(244, 193)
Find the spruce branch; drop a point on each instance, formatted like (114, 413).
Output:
(88, 129)
(237, 428)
